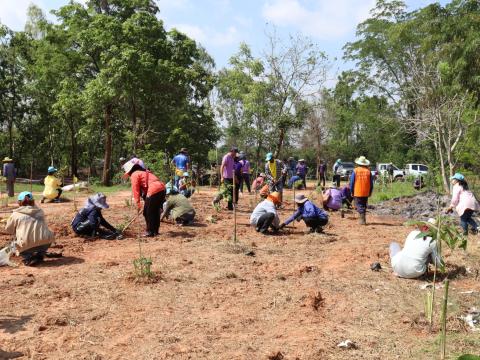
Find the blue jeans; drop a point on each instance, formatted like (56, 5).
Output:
(466, 219)
(361, 204)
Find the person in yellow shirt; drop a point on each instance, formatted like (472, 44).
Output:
(53, 186)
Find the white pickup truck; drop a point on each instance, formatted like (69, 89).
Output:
(416, 169)
(382, 169)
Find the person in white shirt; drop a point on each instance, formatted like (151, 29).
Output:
(265, 216)
(412, 261)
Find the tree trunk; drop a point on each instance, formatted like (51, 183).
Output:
(107, 160)
(281, 137)
(134, 126)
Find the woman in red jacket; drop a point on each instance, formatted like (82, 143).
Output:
(146, 185)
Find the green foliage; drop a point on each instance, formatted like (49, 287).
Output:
(143, 267)
(156, 161)
(468, 357)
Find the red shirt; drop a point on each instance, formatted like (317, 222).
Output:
(145, 182)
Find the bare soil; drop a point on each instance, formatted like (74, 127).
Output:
(288, 296)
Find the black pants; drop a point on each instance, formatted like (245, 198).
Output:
(322, 179)
(264, 222)
(315, 223)
(245, 179)
(151, 211)
(89, 230)
(336, 180)
(185, 219)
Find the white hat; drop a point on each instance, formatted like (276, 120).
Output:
(362, 161)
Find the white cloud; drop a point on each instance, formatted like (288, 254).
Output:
(324, 19)
(210, 37)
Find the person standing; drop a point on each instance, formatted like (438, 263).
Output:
(361, 185)
(302, 169)
(464, 203)
(53, 186)
(245, 176)
(10, 174)
(146, 185)
(291, 166)
(275, 170)
(336, 172)
(322, 173)
(227, 174)
(181, 162)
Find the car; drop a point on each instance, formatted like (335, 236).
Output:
(382, 169)
(345, 170)
(416, 169)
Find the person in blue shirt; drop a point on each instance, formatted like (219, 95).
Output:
(181, 161)
(314, 217)
(296, 181)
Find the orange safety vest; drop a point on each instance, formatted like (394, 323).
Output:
(362, 182)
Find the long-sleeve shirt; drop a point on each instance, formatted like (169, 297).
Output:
(361, 182)
(463, 200)
(93, 216)
(411, 262)
(245, 166)
(301, 169)
(334, 197)
(9, 171)
(178, 205)
(280, 170)
(146, 183)
(307, 210)
(322, 169)
(266, 206)
(228, 165)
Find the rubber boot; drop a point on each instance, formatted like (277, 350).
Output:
(363, 220)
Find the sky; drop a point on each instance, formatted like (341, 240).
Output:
(221, 25)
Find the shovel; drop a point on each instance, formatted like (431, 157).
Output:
(120, 236)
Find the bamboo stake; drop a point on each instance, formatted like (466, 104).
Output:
(443, 338)
(234, 211)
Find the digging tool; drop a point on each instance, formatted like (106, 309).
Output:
(120, 236)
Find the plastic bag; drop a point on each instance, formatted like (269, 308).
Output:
(5, 254)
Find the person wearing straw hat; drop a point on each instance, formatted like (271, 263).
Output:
(314, 217)
(181, 161)
(265, 216)
(361, 185)
(464, 203)
(10, 174)
(89, 220)
(419, 250)
(275, 170)
(301, 170)
(53, 186)
(147, 186)
(32, 235)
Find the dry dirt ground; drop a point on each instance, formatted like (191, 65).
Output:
(294, 296)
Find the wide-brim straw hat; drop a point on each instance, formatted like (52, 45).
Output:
(362, 161)
(274, 197)
(7, 159)
(99, 200)
(300, 199)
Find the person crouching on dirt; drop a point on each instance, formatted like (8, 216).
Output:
(332, 199)
(314, 217)
(89, 220)
(258, 182)
(53, 186)
(265, 216)
(184, 185)
(347, 198)
(152, 191)
(32, 235)
(412, 261)
(464, 203)
(361, 185)
(178, 208)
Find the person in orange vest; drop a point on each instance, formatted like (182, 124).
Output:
(361, 184)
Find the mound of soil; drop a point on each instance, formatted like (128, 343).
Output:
(420, 206)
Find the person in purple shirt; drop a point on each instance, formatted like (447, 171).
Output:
(322, 173)
(245, 177)
(302, 171)
(227, 173)
(332, 199)
(314, 217)
(347, 197)
(181, 162)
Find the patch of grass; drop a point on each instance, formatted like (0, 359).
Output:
(395, 190)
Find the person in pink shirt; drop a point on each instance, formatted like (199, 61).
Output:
(464, 203)
(226, 173)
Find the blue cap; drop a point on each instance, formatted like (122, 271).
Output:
(172, 190)
(186, 174)
(269, 157)
(52, 169)
(458, 177)
(25, 194)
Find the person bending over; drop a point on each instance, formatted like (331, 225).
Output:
(178, 208)
(314, 217)
(32, 235)
(53, 186)
(265, 216)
